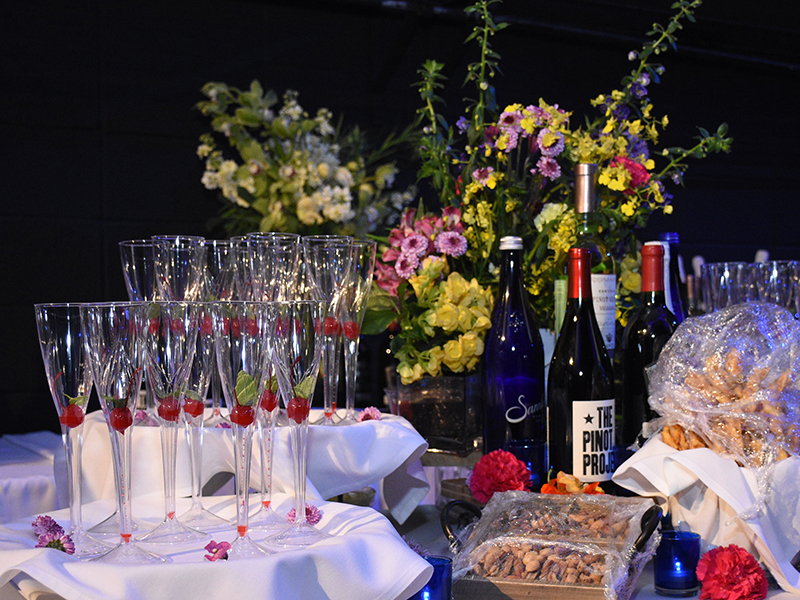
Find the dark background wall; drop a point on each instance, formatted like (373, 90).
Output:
(98, 133)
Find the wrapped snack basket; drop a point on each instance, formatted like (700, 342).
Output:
(529, 545)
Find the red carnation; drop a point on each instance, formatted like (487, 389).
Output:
(498, 471)
(731, 573)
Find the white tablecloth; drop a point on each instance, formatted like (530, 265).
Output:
(26, 474)
(340, 459)
(365, 560)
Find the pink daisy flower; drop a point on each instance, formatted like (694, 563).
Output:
(482, 175)
(313, 514)
(415, 244)
(556, 145)
(45, 524)
(451, 243)
(57, 541)
(548, 167)
(406, 265)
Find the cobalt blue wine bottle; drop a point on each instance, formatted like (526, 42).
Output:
(515, 413)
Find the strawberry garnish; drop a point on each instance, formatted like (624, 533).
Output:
(120, 418)
(178, 327)
(242, 415)
(206, 325)
(297, 409)
(192, 407)
(351, 330)
(72, 415)
(251, 327)
(235, 327)
(152, 326)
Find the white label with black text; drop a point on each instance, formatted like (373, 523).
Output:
(604, 294)
(593, 439)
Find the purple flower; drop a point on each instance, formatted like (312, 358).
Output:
(217, 550)
(313, 514)
(638, 91)
(462, 124)
(406, 265)
(45, 524)
(551, 143)
(57, 541)
(415, 244)
(621, 113)
(637, 148)
(370, 414)
(451, 243)
(549, 168)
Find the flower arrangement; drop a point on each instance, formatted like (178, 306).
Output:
(443, 317)
(510, 170)
(293, 172)
(565, 484)
(498, 471)
(731, 573)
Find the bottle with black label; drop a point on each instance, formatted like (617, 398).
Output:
(648, 329)
(515, 413)
(580, 387)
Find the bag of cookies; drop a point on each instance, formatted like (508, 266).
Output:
(730, 381)
(549, 540)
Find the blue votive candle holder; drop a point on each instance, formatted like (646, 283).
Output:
(439, 586)
(676, 564)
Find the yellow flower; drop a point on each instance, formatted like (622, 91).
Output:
(628, 208)
(472, 345)
(453, 355)
(513, 107)
(635, 127)
(447, 317)
(409, 374)
(631, 281)
(664, 121)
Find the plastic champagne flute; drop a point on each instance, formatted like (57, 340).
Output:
(70, 380)
(112, 334)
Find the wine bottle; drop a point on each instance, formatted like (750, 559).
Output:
(604, 279)
(647, 331)
(515, 413)
(674, 276)
(580, 387)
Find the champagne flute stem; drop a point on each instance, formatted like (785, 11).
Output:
(330, 374)
(242, 447)
(299, 440)
(194, 436)
(169, 452)
(216, 390)
(265, 431)
(73, 445)
(121, 447)
(350, 373)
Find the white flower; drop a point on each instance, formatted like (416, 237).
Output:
(204, 150)
(550, 212)
(338, 212)
(210, 180)
(344, 177)
(286, 172)
(267, 115)
(324, 170)
(341, 194)
(226, 129)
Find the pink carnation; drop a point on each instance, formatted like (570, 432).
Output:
(370, 414)
(57, 541)
(217, 550)
(731, 573)
(498, 471)
(406, 265)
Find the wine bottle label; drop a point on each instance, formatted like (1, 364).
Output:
(593, 439)
(604, 298)
(560, 304)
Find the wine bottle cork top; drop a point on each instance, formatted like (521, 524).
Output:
(511, 242)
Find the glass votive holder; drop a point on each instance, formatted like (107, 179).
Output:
(439, 586)
(676, 563)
